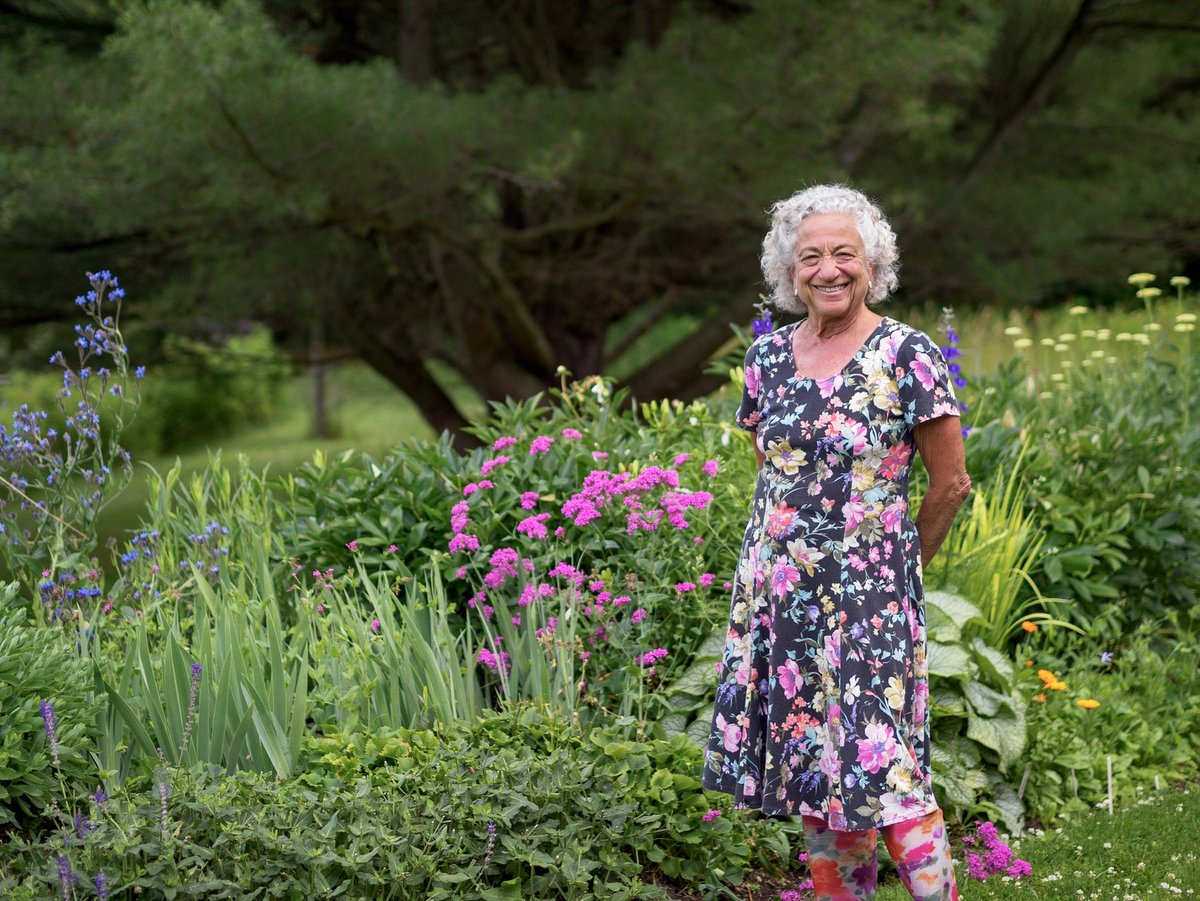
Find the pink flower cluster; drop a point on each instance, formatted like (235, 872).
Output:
(492, 661)
(997, 858)
(460, 519)
(711, 815)
(652, 657)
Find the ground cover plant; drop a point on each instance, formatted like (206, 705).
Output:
(338, 677)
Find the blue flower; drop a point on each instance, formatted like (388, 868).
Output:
(139, 372)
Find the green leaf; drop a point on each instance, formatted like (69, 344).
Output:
(948, 660)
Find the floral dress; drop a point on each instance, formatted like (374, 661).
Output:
(822, 696)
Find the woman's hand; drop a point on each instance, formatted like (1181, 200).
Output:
(940, 445)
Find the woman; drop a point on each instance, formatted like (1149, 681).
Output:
(822, 702)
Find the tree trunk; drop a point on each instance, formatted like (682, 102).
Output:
(415, 47)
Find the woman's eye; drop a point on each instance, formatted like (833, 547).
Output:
(845, 257)
(810, 259)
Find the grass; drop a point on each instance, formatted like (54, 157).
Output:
(1148, 851)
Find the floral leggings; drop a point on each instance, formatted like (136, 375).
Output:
(844, 865)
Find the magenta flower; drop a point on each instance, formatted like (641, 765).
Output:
(460, 573)
(489, 465)
(374, 625)
(469, 489)
(529, 500)
(711, 815)
(485, 484)
(534, 526)
(572, 434)
(706, 579)
(684, 587)
(352, 545)
(680, 459)
(502, 442)
(540, 444)
(710, 468)
(599, 455)
(391, 548)
(463, 542)
(650, 657)
(638, 615)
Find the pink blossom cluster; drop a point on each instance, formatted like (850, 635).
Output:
(651, 657)
(711, 815)
(504, 564)
(460, 519)
(997, 858)
(493, 661)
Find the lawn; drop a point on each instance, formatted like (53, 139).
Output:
(1148, 851)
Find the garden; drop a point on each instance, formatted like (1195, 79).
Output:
(488, 674)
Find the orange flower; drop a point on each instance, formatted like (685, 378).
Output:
(1029, 663)
(1046, 676)
(1088, 703)
(1028, 626)
(1056, 685)
(1040, 697)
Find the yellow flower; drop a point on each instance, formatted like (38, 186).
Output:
(1097, 354)
(894, 693)
(1028, 626)
(1057, 686)
(1152, 327)
(1124, 336)
(1046, 395)
(1088, 333)
(1142, 338)
(1179, 281)
(1103, 334)
(1022, 343)
(1068, 336)
(783, 456)
(1046, 676)
(1141, 279)
(1047, 342)
(1185, 326)
(1185, 317)
(1088, 703)
(1014, 330)
(1149, 293)
(1078, 310)
(1066, 364)
(1057, 376)
(1040, 697)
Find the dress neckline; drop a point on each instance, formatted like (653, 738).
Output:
(825, 378)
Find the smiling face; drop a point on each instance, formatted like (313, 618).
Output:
(830, 274)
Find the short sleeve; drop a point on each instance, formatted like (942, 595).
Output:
(926, 391)
(750, 411)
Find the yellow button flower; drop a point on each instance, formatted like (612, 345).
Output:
(1088, 703)
(1141, 279)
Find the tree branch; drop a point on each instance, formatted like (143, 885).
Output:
(1069, 43)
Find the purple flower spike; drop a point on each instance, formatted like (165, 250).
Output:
(51, 729)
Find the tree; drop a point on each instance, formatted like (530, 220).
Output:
(507, 197)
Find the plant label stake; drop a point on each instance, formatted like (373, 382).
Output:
(1025, 780)
(1110, 800)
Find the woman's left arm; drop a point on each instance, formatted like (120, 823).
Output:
(939, 441)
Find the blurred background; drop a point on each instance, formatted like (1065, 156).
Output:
(360, 221)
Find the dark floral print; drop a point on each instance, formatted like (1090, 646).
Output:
(822, 702)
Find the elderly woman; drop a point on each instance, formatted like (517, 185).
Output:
(822, 703)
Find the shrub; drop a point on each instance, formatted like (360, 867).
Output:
(518, 806)
(38, 664)
(1133, 700)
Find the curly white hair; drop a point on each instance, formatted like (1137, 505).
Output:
(779, 246)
